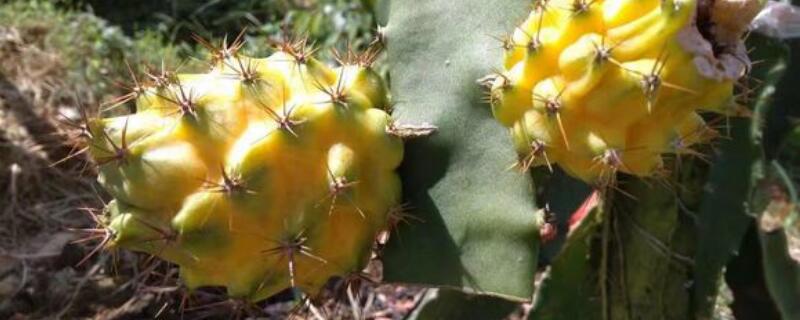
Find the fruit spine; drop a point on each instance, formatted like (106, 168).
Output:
(259, 175)
(606, 86)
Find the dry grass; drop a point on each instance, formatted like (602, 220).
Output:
(38, 195)
(39, 200)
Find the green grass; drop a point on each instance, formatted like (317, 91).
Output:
(94, 39)
(90, 51)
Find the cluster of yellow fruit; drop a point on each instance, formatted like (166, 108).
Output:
(606, 86)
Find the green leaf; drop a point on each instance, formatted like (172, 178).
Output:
(650, 262)
(569, 289)
(452, 304)
(380, 9)
(626, 260)
(782, 273)
(563, 195)
(722, 220)
(479, 230)
(775, 200)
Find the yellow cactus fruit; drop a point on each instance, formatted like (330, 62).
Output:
(261, 174)
(606, 86)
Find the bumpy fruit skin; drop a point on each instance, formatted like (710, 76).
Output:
(259, 175)
(606, 86)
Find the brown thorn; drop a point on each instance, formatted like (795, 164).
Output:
(298, 48)
(506, 42)
(101, 231)
(553, 108)
(284, 120)
(164, 78)
(364, 59)
(337, 94)
(74, 152)
(247, 73)
(337, 188)
(136, 89)
(223, 51)
(603, 53)
(287, 248)
(580, 6)
(400, 214)
(538, 149)
(119, 153)
(231, 184)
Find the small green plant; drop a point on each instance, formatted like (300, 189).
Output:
(94, 58)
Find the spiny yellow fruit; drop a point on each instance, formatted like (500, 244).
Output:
(606, 86)
(259, 175)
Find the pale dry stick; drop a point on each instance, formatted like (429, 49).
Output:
(13, 198)
(603, 276)
(314, 311)
(369, 302)
(80, 286)
(354, 305)
(23, 280)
